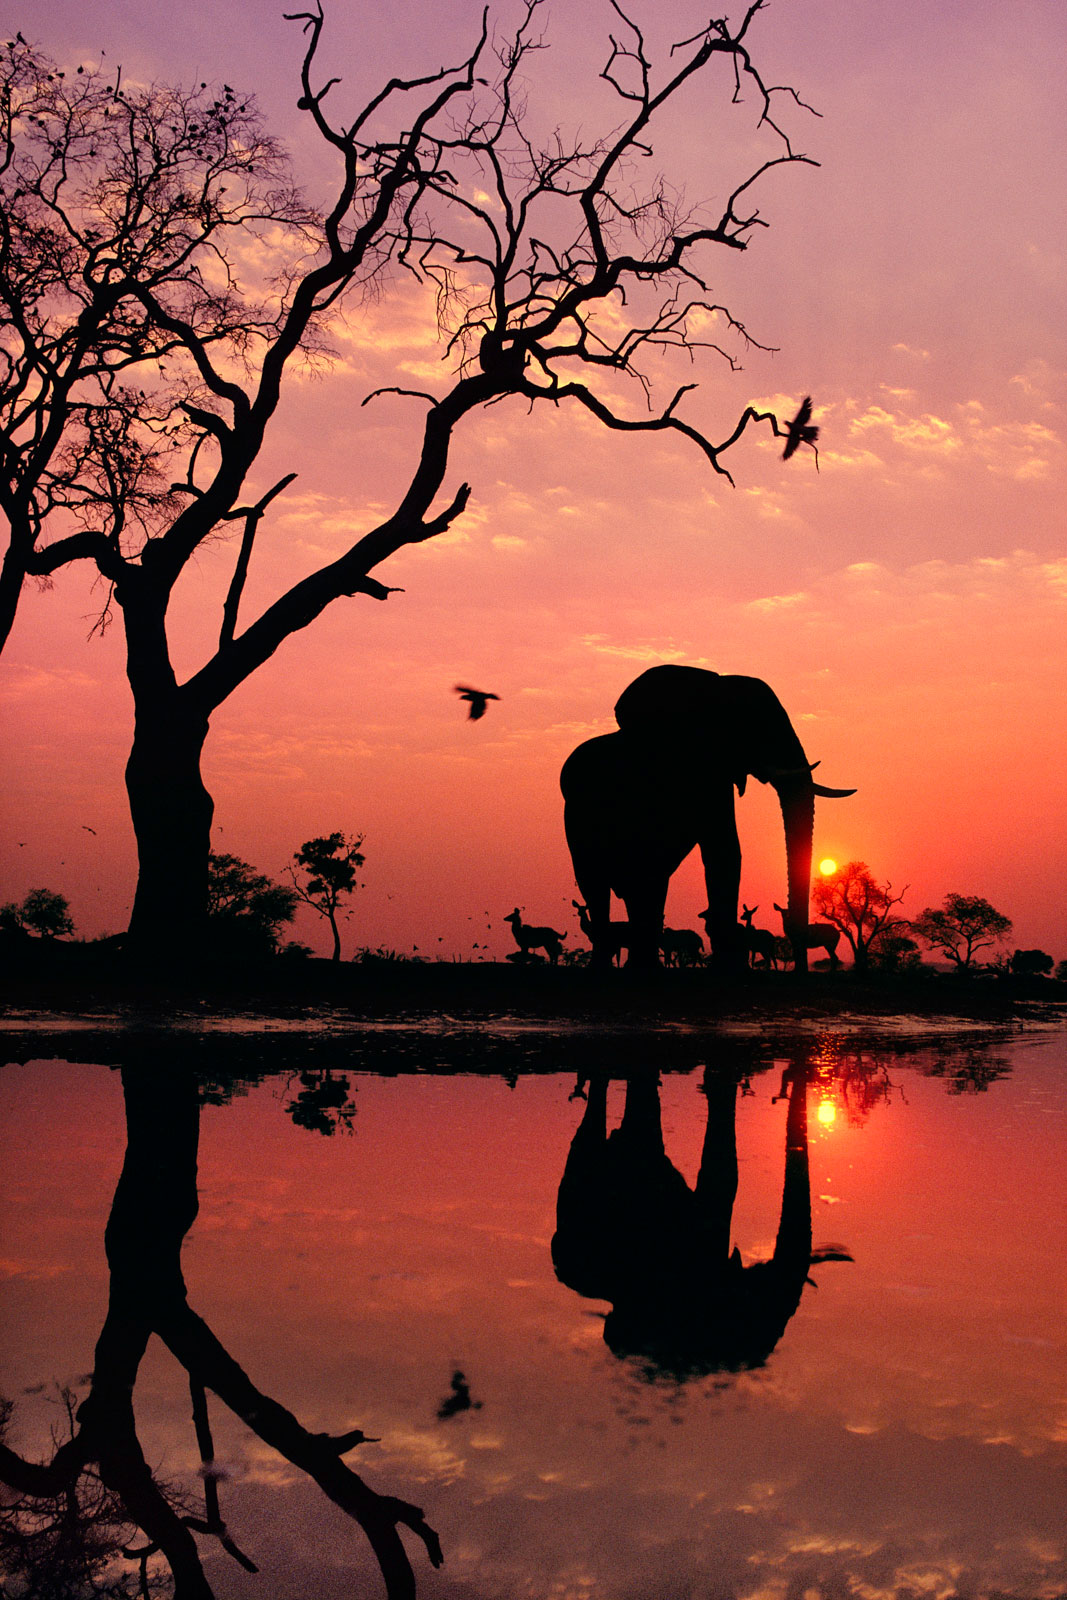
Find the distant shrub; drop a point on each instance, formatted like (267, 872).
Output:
(43, 915)
(381, 957)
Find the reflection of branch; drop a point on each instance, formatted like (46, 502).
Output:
(212, 1522)
(192, 1342)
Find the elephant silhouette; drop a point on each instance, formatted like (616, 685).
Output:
(637, 801)
(630, 1230)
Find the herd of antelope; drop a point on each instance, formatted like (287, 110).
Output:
(679, 947)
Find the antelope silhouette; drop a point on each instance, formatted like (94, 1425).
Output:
(816, 936)
(616, 938)
(530, 938)
(681, 947)
(760, 941)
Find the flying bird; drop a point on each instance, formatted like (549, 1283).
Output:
(87, 829)
(477, 699)
(800, 430)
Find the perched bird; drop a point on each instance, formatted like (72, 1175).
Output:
(800, 430)
(476, 698)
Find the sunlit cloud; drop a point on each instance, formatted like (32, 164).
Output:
(922, 433)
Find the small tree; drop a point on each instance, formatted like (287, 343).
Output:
(895, 950)
(246, 909)
(331, 864)
(43, 914)
(963, 925)
(859, 907)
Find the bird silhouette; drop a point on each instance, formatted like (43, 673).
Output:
(476, 699)
(800, 430)
(459, 1400)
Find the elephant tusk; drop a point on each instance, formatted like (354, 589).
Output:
(831, 794)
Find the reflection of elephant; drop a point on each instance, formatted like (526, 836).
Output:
(631, 1231)
(637, 801)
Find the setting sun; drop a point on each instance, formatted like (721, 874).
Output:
(826, 1113)
(827, 866)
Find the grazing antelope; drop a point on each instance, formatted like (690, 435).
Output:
(529, 938)
(616, 938)
(816, 936)
(681, 947)
(760, 941)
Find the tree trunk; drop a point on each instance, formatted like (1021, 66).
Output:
(336, 936)
(12, 577)
(171, 813)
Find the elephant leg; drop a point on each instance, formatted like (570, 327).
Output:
(720, 850)
(645, 902)
(594, 888)
(716, 1185)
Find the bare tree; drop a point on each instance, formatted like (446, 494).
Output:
(859, 907)
(130, 343)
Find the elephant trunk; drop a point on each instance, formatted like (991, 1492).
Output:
(797, 797)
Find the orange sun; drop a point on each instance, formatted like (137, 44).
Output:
(827, 866)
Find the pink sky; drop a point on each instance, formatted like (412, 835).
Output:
(906, 603)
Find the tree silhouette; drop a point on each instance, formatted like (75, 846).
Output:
(143, 365)
(43, 913)
(330, 863)
(246, 909)
(858, 907)
(962, 926)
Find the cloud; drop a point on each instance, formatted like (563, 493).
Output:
(926, 432)
(774, 603)
(645, 650)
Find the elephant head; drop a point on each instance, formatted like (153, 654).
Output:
(687, 738)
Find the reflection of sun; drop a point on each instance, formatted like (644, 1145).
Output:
(827, 1113)
(827, 866)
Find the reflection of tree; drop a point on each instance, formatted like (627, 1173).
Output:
(631, 1231)
(970, 1069)
(323, 1102)
(857, 1080)
(59, 1537)
(154, 1207)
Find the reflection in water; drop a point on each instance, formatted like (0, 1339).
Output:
(631, 1231)
(98, 1479)
(894, 1436)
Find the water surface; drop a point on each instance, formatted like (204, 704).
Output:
(596, 1371)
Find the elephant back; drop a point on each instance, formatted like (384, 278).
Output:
(722, 722)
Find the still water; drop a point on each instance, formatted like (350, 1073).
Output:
(785, 1321)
